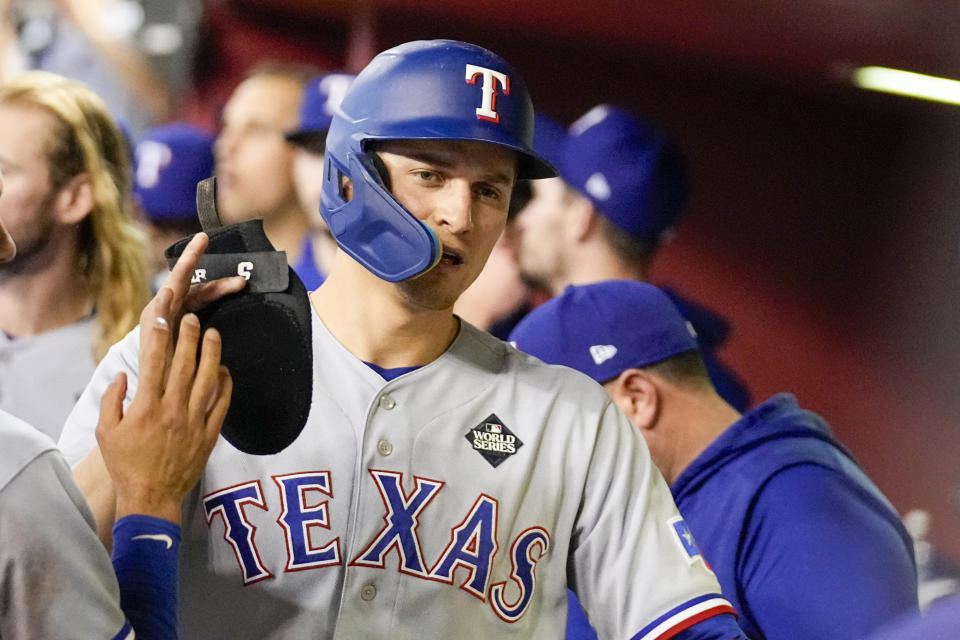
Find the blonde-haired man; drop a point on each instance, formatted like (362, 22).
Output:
(79, 279)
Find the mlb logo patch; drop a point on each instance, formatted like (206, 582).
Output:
(493, 440)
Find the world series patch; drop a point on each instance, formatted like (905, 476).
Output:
(493, 440)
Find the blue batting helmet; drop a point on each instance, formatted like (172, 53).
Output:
(425, 90)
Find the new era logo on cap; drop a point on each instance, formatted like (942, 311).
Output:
(602, 352)
(602, 329)
(598, 187)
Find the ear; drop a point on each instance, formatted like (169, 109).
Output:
(346, 188)
(74, 201)
(638, 396)
(580, 218)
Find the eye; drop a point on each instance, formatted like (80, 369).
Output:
(488, 193)
(426, 175)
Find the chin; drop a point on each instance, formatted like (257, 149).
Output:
(430, 292)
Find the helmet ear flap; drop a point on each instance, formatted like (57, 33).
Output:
(372, 227)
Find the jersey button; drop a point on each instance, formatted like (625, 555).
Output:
(368, 592)
(387, 402)
(385, 448)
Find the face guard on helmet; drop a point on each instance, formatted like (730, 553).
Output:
(425, 90)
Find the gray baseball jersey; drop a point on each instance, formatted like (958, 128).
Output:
(42, 376)
(458, 500)
(56, 581)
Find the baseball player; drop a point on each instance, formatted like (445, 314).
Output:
(444, 485)
(320, 100)
(803, 543)
(621, 191)
(79, 280)
(57, 581)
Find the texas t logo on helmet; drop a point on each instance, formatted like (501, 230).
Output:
(488, 109)
(416, 91)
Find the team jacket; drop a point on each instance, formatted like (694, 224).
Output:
(803, 543)
(459, 500)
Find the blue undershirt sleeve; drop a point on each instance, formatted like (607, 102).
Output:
(820, 561)
(145, 555)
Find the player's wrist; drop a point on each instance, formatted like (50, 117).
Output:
(148, 504)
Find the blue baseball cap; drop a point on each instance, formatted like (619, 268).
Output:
(629, 169)
(548, 138)
(168, 163)
(605, 328)
(321, 98)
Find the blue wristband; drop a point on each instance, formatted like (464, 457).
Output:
(145, 553)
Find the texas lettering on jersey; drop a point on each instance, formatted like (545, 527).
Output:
(472, 546)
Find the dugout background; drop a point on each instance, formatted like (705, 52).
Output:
(824, 223)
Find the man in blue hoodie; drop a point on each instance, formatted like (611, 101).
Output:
(804, 545)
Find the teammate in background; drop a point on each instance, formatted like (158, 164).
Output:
(621, 192)
(501, 296)
(168, 163)
(255, 162)
(57, 581)
(444, 485)
(803, 543)
(320, 100)
(79, 280)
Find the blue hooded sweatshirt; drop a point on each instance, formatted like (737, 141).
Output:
(803, 543)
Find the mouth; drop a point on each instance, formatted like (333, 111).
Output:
(451, 257)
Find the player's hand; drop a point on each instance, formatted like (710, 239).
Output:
(156, 450)
(183, 296)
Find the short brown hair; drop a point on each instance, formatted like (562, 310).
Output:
(684, 369)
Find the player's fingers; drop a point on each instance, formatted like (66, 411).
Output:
(111, 404)
(203, 294)
(205, 383)
(154, 343)
(182, 272)
(184, 364)
(221, 404)
(157, 306)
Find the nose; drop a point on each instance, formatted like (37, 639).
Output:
(455, 210)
